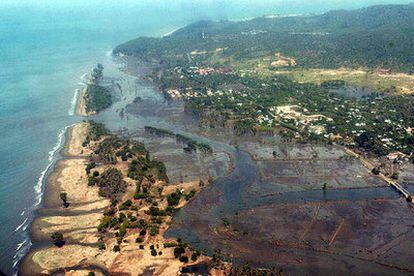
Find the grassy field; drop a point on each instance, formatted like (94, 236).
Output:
(371, 80)
(400, 83)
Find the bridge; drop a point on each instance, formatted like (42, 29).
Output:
(391, 182)
(365, 162)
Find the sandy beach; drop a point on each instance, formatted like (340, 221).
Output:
(79, 220)
(79, 225)
(80, 105)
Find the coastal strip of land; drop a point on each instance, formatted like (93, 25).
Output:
(82, 229)
(78, 221)
(81, 105)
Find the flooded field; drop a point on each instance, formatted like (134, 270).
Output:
(354, 92)
(300, 208)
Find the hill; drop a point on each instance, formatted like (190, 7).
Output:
(373, 37)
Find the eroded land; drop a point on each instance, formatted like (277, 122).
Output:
(266, 149)
(95, 97)
(117, 205)
(318, 133)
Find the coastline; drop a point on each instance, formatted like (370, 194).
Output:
(80, 109)
(79, 223)
(79, 220)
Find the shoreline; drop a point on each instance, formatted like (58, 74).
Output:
(66, 175)
(80, 108)
(80, 220)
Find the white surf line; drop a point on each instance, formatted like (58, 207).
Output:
(72, 108)
(23, 247)
(21, 225)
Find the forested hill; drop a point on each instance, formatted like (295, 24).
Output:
(374, 37)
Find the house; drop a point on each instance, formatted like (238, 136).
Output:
(396, 156)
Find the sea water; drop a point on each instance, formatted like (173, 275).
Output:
(45, 49)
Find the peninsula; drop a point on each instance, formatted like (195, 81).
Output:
(271, 146)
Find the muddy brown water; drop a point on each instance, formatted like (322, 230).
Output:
(200, 222)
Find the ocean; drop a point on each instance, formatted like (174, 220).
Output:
(45, 49)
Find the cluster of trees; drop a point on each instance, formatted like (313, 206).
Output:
(190, 145)
(152, 170)
(95, 132)
(379, 36)
(373, 37)
(97, 98)
(111, 183)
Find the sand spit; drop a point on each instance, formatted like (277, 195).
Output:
(79, 225)
(81, 104)
(78, 222)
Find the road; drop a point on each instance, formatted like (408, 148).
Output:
(390, 181)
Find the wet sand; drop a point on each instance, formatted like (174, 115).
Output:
(80, 105)
(79, 221)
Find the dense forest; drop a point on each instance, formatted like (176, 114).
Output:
(218, 69)
(378, 36)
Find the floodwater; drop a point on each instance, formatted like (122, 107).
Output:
(308, 230)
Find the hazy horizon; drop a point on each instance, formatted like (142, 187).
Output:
(225, 8)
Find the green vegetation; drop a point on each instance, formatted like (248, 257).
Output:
(378, 36)
(96, 132)
(218, 81)
(190, 145)
(174, 198)
(64, 197)
(170, 244)
(97, 98)
(111, 183)
(144, 167)
(113, 159)
(58, 239)
(247, 270)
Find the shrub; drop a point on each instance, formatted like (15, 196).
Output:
(178, 251)
(116, 248)
(226, 222)
(105, 223)
(190, 195)
(102, 246)
(194, 256)
(376, 171)
(58, 239)
(153, 231)
(89, 167)
(174, 198)
(140, 195)
(92, 181)
(183, 259)
(128, 203)
(114, 222)
(64, 197)
(170, 244)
